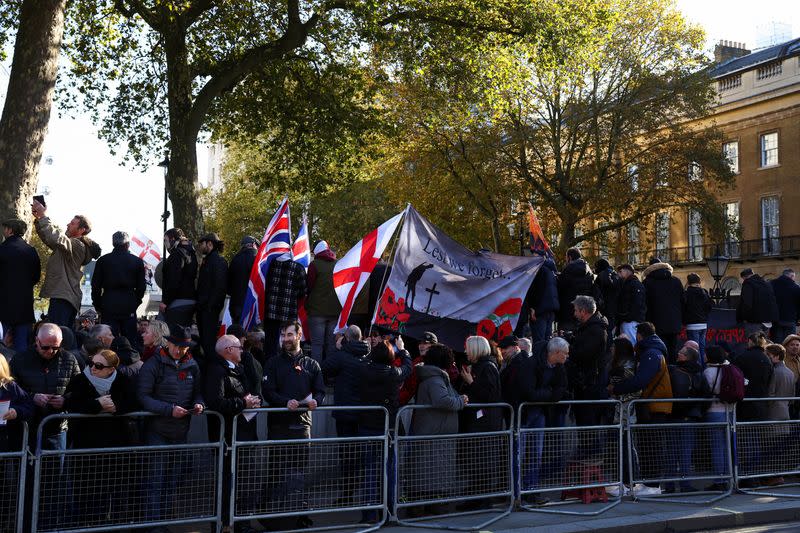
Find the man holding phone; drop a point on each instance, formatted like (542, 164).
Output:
(72, 250)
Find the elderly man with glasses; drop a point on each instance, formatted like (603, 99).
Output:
(44, 370)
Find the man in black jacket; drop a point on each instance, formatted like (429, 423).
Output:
(608, 284)
(697, 305)
(757, 306)
(226, 392)
(587, 363)
(212, 285)
(664, 293)
(118, 287)
(292, 380)
(239, 276)
(787, 297)
(344, 367)
(179, 275)
(575, 279)
(20, 270)
(631, 306)
(541, 303)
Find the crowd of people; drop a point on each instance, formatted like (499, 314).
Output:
(583, 335)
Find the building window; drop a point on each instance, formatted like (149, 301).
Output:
(770, 225)
(731, 151)
(662, 236)
(731, 82)
(769, 71)
(633, 176)
(769, 149)
(695, 171)
(732, 230)
(633, 244)
(695, 236)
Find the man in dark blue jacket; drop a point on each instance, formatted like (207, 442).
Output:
(542, 303)
(118, 286)
(787, 297)
(292, 380)
(344, 368)
(20, 270)
(239, 276)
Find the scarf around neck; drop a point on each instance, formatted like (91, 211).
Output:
(101, 385)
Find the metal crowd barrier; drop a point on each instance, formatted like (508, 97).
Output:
(767, 450)
(667, 452)
(12, 484)
(579, 462)
(134, 486)
(467, 468)
(282, 478)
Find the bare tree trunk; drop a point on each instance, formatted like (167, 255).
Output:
(496, 239)
(182, 184)
(29, 99)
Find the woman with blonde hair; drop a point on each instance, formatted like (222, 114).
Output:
(153, 338)
(481, 385)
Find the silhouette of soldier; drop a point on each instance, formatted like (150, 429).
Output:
(411, 282)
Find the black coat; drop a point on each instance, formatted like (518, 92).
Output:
(787, 297)
(485, 388)
(344, 368)
(609, 284)
(757, 302)
(697, 305)
(525, 378)
(102, 432)
(118, 284)
(238, 278)
(687, 381)
(544, 290)
(586, 366)
(20, 269)
(631, 306)
(212, 283)
(664, 294)
(291, 377)
(225, 390)
(380, 386)
(179, 274)
(757, 370)
(575, 279)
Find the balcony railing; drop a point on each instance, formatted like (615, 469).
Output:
(777, 247)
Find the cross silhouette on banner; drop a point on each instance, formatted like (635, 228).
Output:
(432, 291)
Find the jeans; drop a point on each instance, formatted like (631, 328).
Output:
(698, 336)
(162, 475)
(51, 511)
(322, 342)
(531, 446)
(61, 313)
(20, 333)
(719, 454)
(542, 327)
(370, 494)
(681, 448)
(629, 330)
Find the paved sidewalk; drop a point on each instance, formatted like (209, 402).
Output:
(641, 517)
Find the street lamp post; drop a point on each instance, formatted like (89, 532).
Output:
(518, 235)
(165, 215)
(717, 266)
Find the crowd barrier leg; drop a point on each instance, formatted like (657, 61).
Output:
(13, 466)
(574, 464)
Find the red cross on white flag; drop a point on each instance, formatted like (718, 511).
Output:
(144, 248)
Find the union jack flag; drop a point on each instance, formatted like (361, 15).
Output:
(301, 249)
(276, 242)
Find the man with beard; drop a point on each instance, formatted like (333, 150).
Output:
(293, 380)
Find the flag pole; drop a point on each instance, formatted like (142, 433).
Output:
(391, 264)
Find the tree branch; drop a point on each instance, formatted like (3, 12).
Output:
(420, 16)
(138, 8)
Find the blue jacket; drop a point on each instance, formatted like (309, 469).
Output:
(345, 367)
(165, 383)
(650, 351)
